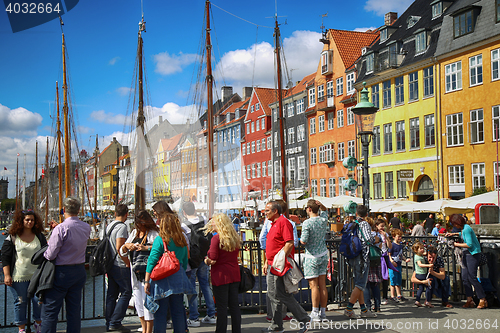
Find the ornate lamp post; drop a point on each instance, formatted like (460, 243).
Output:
(364, 112)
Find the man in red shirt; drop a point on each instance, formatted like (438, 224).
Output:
(280, 236)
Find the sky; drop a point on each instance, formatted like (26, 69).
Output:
(101, 40)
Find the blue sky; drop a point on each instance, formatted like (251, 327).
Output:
(101, 38)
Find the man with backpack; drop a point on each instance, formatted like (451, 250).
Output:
(199, 245)
(119, 284)
(360, 263)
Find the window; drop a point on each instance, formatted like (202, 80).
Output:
(341, 186)
(325, 64)
(321, 93)
(325, 153)
(252, 125)
(253, 147)
(383, 35)
(388, 138)
(330, 120)
(477, 126)
(264, 167)
(257, 145)
(421, 42)
(437, 9)
(341, 151)
(263, 144)
(495, 59)
(370, 61)
(275, 115)
(321, 123)
(428, 81)
(257, 125)
(263, 124)
(269, 142)
(291, 169)
(243, 149)
(291, 135)
(401, 188)
(453, 76)
(456, 175)
(413, 86)
(251, 109)
(389, 185)
(375, 96)
(454, 129)
(400, 136)
(351, 148)
(269, 168)
(275, 139)
(290, 109)
(314, 187)
(302, 167)
(257, 107)
(301, 133)
(312, 97)
(476, 70)
(399, 90)
(329, 89)
(386, 92)
(463, 24)
(313, 156)
(414, 133)
(497, 5)
(340, 118)
(350, 83)
(376, 140)
(496, 121)
(253, 171)
(322, 187)
(350, 116)
(478, 176)
(331, 187)
(300, 106)
(430, 139)
(340, 86)
(312, 125)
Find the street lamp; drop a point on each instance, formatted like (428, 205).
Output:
(364, 112)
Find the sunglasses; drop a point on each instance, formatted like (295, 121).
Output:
(28, 212)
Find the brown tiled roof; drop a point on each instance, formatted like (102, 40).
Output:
(268, 96)
(174, 141)
(301, 86)
(350, 43)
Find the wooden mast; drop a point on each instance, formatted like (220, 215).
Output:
(95, 172)
(210, 127)
(36, 178)
(47, 184)
(17, 180)
(140, 181)
(59, 153)
(280, 114)
(67, 148)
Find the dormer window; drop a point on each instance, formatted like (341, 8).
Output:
(463, 22)
(421, 42)
(257, 107)
(383, 35)
(228, 117)
(370, 62)
(326, 62)
(437, 9)
(412, 20)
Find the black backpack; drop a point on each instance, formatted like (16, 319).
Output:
(350, 244)
(101, 259)
(247, 281)
(199, 243)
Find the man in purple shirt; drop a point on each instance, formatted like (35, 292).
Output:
(66, 247)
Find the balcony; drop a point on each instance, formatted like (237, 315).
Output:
(325, 103)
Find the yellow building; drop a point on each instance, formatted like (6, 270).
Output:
(469, 56)
(188, 169)
(399, 70)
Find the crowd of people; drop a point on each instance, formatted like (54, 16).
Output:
(160, 303)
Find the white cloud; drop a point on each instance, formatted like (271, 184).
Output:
(381, 7)
(256, 63)
(123, 91)
(365, 29)
(110, 118)
(18, 122)
(175, 114)
(167, 64)
(84, 129)
(114, 60)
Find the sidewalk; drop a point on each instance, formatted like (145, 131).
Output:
(404, 317)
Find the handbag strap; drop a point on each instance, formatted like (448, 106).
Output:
(144, 238)
(362, 234)
(165, 246)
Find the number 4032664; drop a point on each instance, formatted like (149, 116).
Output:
(32, 8)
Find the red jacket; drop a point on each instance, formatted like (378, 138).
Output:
(226, 269)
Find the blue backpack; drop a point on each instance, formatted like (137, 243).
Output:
(350, 244)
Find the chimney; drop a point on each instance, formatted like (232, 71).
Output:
(390, 18)
(247, 92)
(125, 150)
(114, 139)
(160, 119)
(226, 93)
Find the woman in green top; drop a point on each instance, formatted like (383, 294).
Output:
(168, 292)
(470, 261)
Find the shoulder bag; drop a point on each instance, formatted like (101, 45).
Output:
(166, 266)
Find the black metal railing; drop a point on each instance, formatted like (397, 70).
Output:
(339, 280)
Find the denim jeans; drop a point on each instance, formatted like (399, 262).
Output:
(421, 287)
(469, 271)
(175, 303)
(202, 273)
(68, 284)
(360, 276)
(118, 295)
(19, 292)
(372, 289)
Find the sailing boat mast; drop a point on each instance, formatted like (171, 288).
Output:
(95, 172)
(67, 150)
(59, 154)
(280, 113)
(36, 177)
(140, 190)
(47, 184)
(24, 183)
(210, 134)
(17, 180)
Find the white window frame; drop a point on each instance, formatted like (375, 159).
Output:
(264, 169)
(496, 172)
(322, 187)
(341, 151)
(331, 187)
(289, 107)
(291, 135)
(269, 143)
(292, 167)
(312, 125)
(321, 123)
(351, 148)
(263, 144)
(350, 79)
(341, 186)
(257, 145)
(252, 127)
(312, 96)
(329, 89)
(321, 93)
(421, 42)
(413, 86)
(456, 175)
(495, 64)
(430, 130)
(476, 126)
(340, 118)
(331, 120)
(300, 106)
(314, 187)
(263, 124)
(340, 86)
(301, 175)
(428, 74)
(454, 129)
(301, 133)
(476, 70)
(478, 175)
(350, 116)
(275, 139)
(453, 76)
(313, 155)
(495, 121)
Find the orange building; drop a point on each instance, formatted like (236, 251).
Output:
(330, 121)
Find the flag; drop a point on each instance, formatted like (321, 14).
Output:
(18, 154)
(76, 174)
(5, 168)
(43, 173)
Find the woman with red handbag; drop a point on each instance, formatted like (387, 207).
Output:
(166, 268)
(223, 257)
